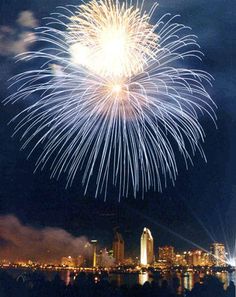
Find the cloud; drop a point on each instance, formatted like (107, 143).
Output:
(19, 242)
(26, 19)
(15, 45)
(17, 40)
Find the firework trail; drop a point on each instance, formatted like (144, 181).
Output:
(114, 96)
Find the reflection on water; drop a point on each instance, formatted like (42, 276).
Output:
(189, 279)
(128, 279)
(185, 280)
(67, 277)
(143, 277)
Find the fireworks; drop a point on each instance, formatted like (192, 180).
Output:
(115, 100)
(111, 40)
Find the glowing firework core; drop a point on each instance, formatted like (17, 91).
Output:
(114, 98)
(111, 40)
(116, 88)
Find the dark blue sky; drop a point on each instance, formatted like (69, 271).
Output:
(203, 195)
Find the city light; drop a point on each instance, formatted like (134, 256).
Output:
(167, 258)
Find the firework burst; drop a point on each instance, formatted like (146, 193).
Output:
(114, 96)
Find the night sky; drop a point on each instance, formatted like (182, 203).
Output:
(202, 203)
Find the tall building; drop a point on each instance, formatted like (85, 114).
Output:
(104, 259)
(80, 261)
(118, 248)
(146, 248)
(180, 260)
(198, 258)
(94, 244)
(207, 259)
(194, 258)
(166, 254)
(188, 256)
(218, 254)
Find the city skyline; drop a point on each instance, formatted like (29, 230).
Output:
(203, 195)
(164, 212)
(149, 250)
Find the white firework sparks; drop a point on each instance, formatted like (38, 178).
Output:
(115, 97)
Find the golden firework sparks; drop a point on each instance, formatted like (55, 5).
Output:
(112, 40)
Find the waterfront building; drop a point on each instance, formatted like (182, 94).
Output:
(104, 259)
(68, 261)
(218, 254)
(180, 260)
(118, 248)
(80, 261)
(207, 259)
(94, 244)
(197, 258)
(189, 258)
(146, 248)
(194, 258)
(166, 254)
(129, 262)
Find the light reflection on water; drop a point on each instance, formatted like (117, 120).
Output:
(186, 280)
(143, 278)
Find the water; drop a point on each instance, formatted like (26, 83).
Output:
(186, 280)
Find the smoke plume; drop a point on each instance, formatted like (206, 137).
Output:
(19, 242)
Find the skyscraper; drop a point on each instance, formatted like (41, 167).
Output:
(146, 248)
(118, 248)
(218, 254)
(94, 244)
(167, 254)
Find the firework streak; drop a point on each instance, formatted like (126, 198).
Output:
(115, 99)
